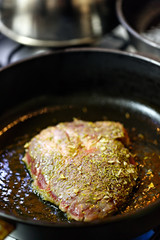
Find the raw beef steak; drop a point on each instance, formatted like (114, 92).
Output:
(83, 167)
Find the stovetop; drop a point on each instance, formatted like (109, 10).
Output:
(11, 52)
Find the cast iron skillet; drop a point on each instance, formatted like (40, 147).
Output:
(142, 21)
(90, 84)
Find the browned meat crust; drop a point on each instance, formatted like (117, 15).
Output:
(83, 167)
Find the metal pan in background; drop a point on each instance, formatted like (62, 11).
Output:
(57, 23)
(141, 19)
(90, 84)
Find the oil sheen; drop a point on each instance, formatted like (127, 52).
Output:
(17, 197)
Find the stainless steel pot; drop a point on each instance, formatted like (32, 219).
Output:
(141, 19)
(56, 23)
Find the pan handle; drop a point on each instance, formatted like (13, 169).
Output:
(5, 229)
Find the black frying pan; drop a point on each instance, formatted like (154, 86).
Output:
(90, 84)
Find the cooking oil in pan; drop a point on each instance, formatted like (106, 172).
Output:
(17, 197)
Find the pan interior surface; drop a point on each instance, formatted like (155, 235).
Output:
(17, 199)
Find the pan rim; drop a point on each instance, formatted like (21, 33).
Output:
(33, 42)
(138, 55)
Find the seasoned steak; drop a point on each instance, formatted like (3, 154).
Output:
(83, 167)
